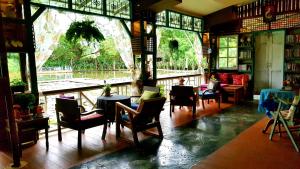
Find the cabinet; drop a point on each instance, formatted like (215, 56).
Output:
(292, 57)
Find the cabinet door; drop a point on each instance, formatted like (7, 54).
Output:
(269, 50)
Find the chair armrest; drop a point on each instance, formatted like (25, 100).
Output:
(286, 102)
(82, 109)
(126, 108)
(91, 112)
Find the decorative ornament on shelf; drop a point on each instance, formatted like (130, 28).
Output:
(287, 85)
(269, 13)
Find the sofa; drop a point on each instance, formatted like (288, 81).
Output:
(230, 79)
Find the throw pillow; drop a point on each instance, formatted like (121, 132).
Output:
(224, 77)
(237, 79)
(148, 95)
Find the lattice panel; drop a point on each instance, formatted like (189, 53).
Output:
(118, 8)
(187, 21)
(282, 21)
(174, 20)
(161, 18)
(198, 24)
(94, 6)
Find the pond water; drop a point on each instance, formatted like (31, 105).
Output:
(102, 75)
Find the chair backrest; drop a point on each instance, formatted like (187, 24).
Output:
(293, 108)
(149, 109)
(182, 91)
(213, 85)
(151, 88)
(68, 108)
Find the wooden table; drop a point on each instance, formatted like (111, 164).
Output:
(107, 103)
(35, 124)
(237, 91)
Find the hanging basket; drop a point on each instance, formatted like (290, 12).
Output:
(173, 44)
(85, 30)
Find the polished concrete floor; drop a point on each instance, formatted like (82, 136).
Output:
(182, 146)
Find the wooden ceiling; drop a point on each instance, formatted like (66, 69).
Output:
(204, 7)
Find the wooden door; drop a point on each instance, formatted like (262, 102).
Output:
(269, 51)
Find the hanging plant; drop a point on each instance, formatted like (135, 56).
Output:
(173, 45)
(85, 30)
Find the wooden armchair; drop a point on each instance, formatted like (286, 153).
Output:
(69, 114)
(148, 92)
(145, 117)
(183, 96)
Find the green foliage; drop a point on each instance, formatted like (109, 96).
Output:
(85, 30)
(13, 65)
(17, 82)
(25, 100)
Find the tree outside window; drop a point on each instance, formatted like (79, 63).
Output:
(228, 52)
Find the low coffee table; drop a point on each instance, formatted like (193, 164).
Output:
(237, 91)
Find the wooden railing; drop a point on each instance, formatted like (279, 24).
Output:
(87, 95)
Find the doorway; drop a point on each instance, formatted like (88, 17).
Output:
(269, 60)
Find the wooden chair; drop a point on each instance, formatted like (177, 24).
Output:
(286, 118)
(212, 92)
(145, 117)
(134, 102)
(69, 115)
(183, 96)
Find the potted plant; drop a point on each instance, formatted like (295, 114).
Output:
(17, 85)
(106, 90)
(173, 45)
(26, 102)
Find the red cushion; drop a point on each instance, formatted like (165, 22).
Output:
(237, 79)
(224, 77)
(240, 79)
(91, 116)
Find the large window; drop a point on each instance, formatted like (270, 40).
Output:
(228, 52)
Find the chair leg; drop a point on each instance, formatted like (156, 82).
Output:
(203, 104)
(79, 139)
(104, 131)
(170, 110)
(268, 125)
(160, 131)
(194, 110)
(135, 137)
(59, 132)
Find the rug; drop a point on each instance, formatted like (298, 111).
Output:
(182, 146)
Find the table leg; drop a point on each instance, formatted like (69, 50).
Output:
(47, 141)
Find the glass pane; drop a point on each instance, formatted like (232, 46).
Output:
(232, 52)
(233, 41)
(232, 62)
(223, 52)
(223, 42)
(222, 62)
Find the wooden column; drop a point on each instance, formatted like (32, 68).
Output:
(23, 66)
(31, 49)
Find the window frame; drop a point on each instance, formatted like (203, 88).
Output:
(228, 47)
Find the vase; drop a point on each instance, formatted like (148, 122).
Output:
(107, 93)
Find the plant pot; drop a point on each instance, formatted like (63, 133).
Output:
(17, 89)
(107, 93)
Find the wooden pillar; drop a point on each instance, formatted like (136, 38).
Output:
(6, 93)
(154, 51)
(31, 49)
(23, 66)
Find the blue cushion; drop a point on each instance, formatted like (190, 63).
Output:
(206, 93)
(134, 106)
(125, 117)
